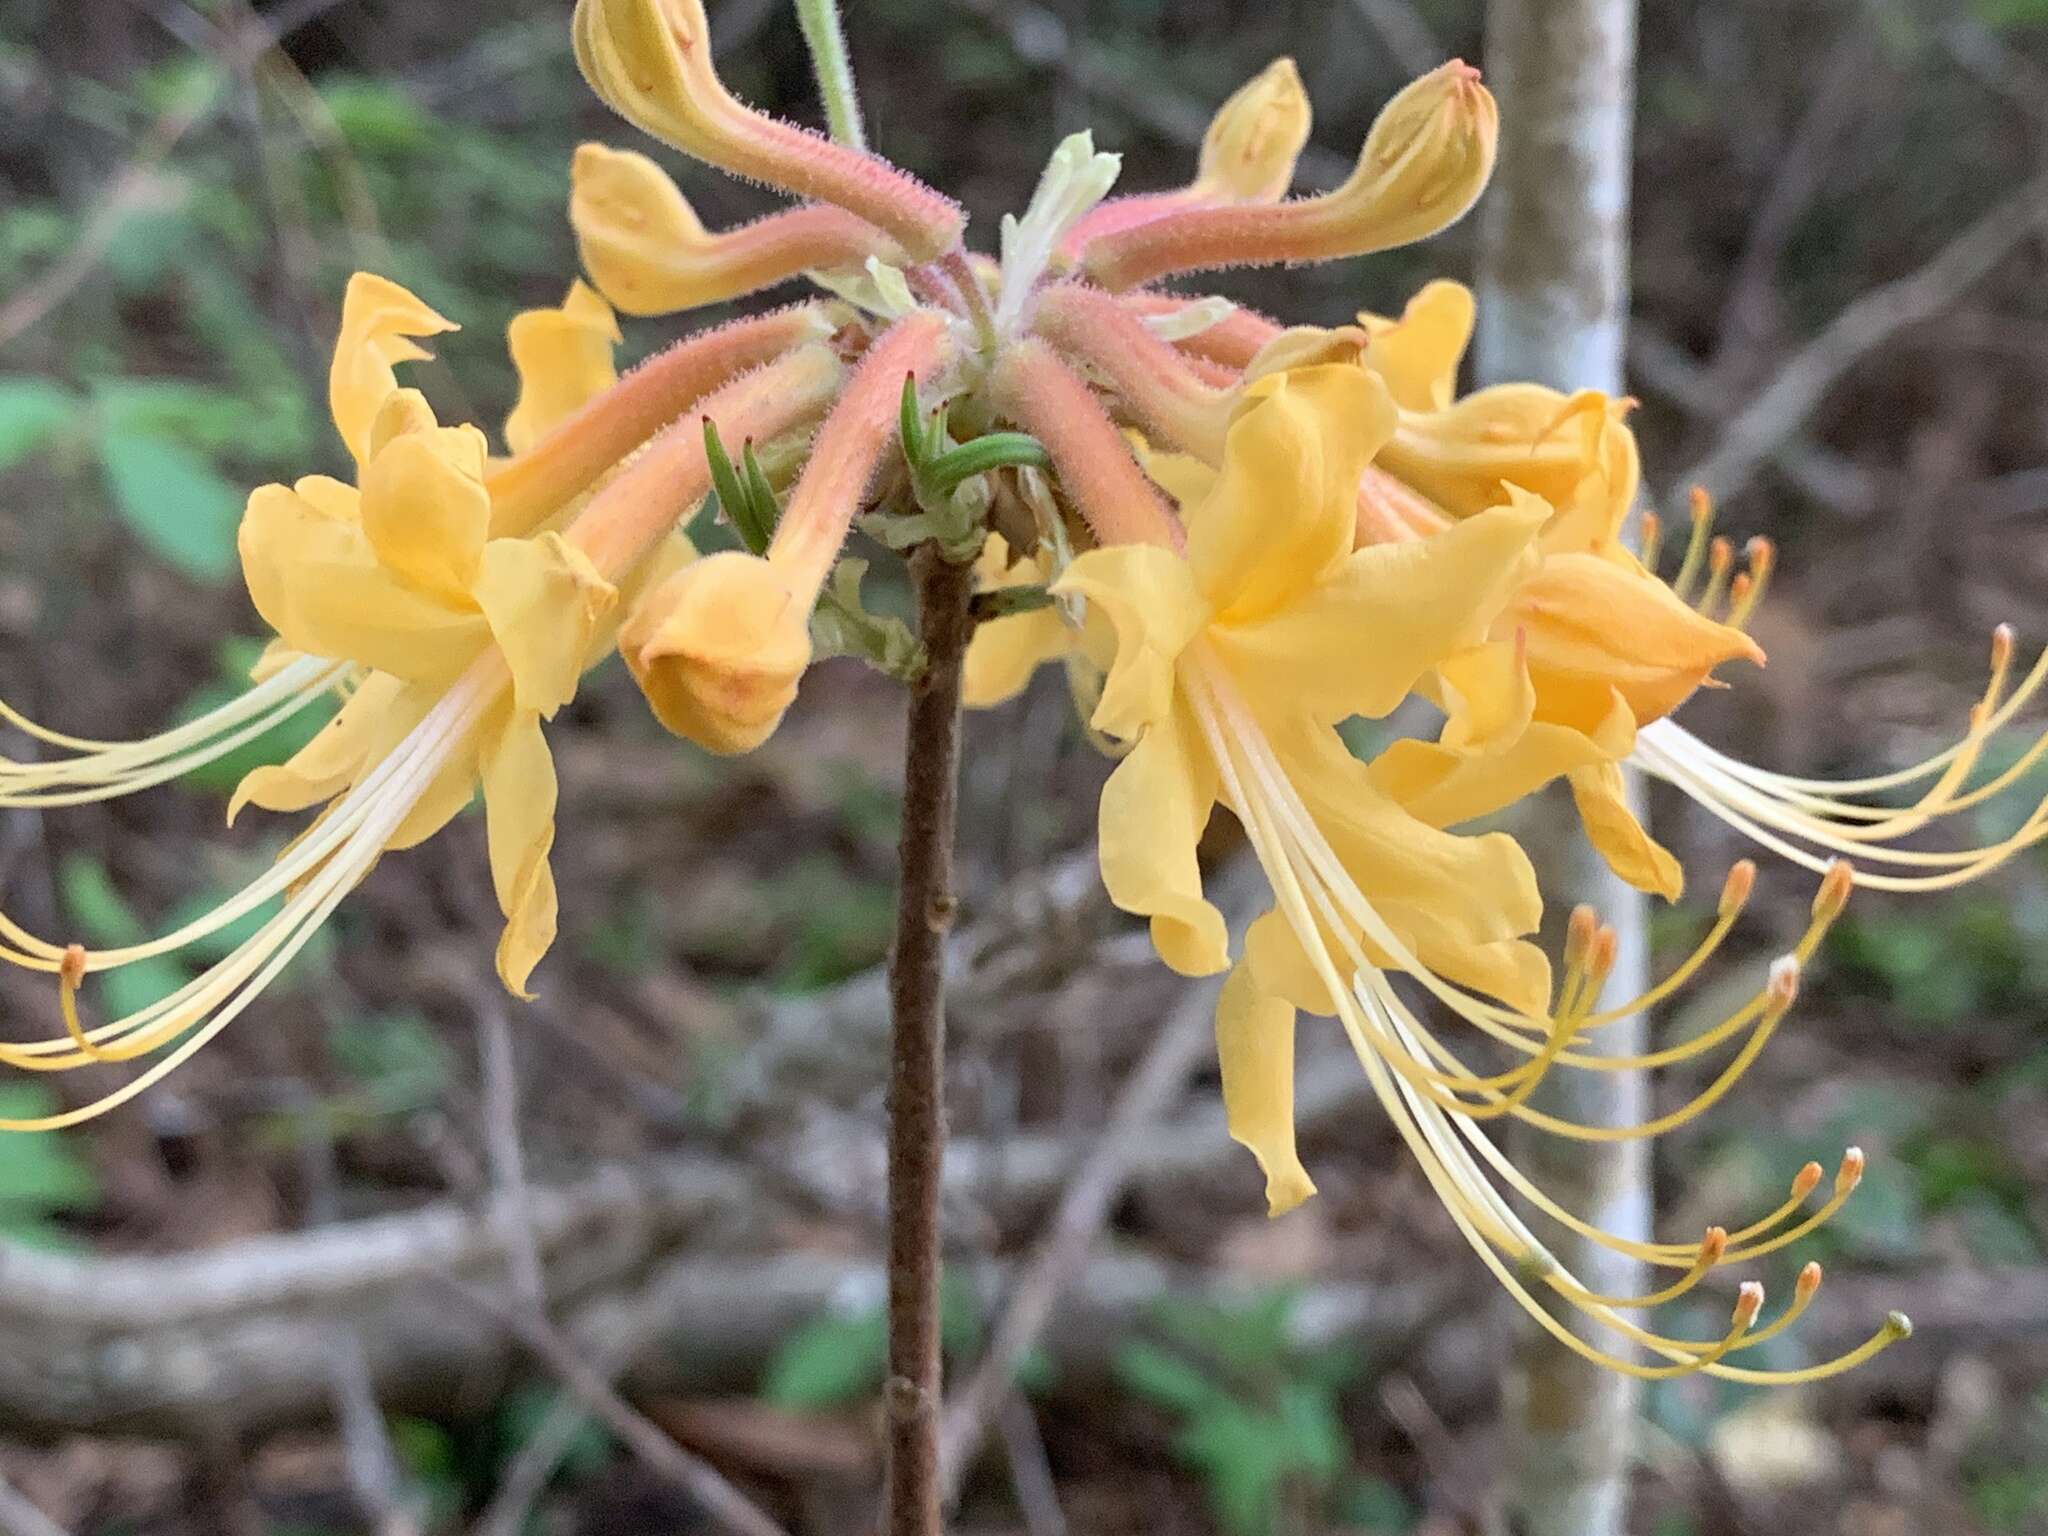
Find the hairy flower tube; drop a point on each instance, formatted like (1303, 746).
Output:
(1237, 535)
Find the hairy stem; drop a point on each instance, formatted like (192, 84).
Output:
(827, 42)
(917, 1010)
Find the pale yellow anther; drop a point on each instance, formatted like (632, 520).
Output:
(1749, 1301)
(1782, 990)
(1579, 934)
(1833, 894)
(1807, 1180)
(1601, 957)
(1256, 136)
(1850, 1174)
(1736, 889)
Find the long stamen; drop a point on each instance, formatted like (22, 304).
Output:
(107, 770)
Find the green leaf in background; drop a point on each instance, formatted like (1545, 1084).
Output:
(396, 1057)
(175, 502)
(31, 411)
(106, 920)
(237, 656)
(835, 1359)
(39, 1175)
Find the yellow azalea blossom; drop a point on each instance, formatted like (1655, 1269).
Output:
(1591, 647)
(454, 644)
(1267, 606)
(1236, 649)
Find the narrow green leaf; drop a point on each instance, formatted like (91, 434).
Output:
(995, 451)
(174, 501)
(910, 424)
(732, 495)
(767, 509)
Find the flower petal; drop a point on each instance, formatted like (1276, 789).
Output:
(1284, 509)
(544, 601)
(1255, 1050)
(1360, 639)
(1594, 625)
(1619, 838)
(330, 762)
(1154, 808)
(426, 512)
(519, 808)
(319, 584)
(1418, 354)
(564, 360)
(1149, 596)
(378, 321)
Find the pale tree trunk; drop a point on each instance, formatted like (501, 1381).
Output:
(1553, 307)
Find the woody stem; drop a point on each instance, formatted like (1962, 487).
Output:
(917, 1117)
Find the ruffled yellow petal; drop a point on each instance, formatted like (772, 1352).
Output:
(1620, 839)
(318, 584)
(564, 360)
(1150, 599)
(1593, 627)
(1154, 808)
(426, 513)
(330, 762)
(519, 808)
(718, 650)
(635, 231)
(1255, 1050)
(1284, 510)
(1005, 652)
(1418, 354)
(544, 601)
(1463, 457)
(1513, 970)
(378, 321)
(1356, 642)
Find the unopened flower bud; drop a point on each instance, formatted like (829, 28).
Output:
(645, 248)
(1425, 161)
(718, 649)
(651, 62)
(1255, 137)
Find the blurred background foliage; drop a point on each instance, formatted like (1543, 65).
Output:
(184, 188)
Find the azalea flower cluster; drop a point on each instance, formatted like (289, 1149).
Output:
(1235, 536)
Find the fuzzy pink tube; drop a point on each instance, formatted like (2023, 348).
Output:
(849, 445)
(1163, 391)
(527, 490)
(1033, 388)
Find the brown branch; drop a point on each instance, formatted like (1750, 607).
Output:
(648, 1442)
(1084, 1206)
(1778, 411)
(917, 1013)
